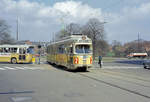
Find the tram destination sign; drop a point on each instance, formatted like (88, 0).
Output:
(84, 41)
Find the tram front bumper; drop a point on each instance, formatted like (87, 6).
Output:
(75, 66)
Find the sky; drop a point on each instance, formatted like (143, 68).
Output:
(39, 20)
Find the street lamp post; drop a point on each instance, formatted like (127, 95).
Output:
(17, 34)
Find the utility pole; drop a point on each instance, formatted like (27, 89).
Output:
(53, 37)
(17, 34)
(138, 42)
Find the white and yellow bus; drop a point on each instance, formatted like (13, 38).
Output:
(73, 52)
(16, 53)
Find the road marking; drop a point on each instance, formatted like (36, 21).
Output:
(34, 68)
(10, 68)
(115, 85)
(21, 99)
(2, 69)
(20, 68)
(121, 67)
(30, 68)
(117, 67)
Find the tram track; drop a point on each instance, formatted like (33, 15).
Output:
(125, 75)
(117, 77)
(114, 85)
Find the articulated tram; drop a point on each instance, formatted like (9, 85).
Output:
(73, 52)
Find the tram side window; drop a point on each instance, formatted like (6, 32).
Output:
(48, 50)
(54, 50)
(61, 49)
(70, 50)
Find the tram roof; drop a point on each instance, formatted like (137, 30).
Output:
(7, 46)
(75, 37)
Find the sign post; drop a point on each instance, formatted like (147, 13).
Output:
(39, 52)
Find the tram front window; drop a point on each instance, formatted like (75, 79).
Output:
(83, 49)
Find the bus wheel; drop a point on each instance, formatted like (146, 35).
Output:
(14, 60)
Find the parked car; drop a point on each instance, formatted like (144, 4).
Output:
(146, 64)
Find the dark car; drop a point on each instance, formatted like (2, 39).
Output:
(146, 64)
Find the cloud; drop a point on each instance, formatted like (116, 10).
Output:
(39, 22)
(78, 11)
(126, 25)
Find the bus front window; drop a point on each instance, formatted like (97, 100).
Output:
(30, 50)
(83, 49)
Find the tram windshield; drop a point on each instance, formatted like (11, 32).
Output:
(83, 49)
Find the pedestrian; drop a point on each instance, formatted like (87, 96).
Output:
(100, 61)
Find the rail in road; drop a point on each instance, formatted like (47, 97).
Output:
(133, 61)
(97, 78)
(115, 65)
(125, 75)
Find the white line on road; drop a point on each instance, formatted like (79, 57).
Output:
(32, 68)
(10, 68)
(117, 67)
(2, 69)
(20, 68)
(21, 99)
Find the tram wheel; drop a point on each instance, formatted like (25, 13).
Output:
(13, 60)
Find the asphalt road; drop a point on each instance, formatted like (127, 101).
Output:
(46, 83)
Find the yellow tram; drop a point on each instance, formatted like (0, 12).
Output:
(16, 53)
(73, 52)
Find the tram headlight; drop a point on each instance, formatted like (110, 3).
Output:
(76, 60)
(91, 60)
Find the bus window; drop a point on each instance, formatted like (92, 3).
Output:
(30, 50)
(6, 50)
(1, 50)
(24, 50)
(14, 50)
(20, 50)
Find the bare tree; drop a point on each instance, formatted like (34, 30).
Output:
(70, 29)
(95, 30)
(118, 49)
(5, 37)
(135, 46)
(73, 28)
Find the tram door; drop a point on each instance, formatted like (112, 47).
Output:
(71, 55)
(22, 54)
